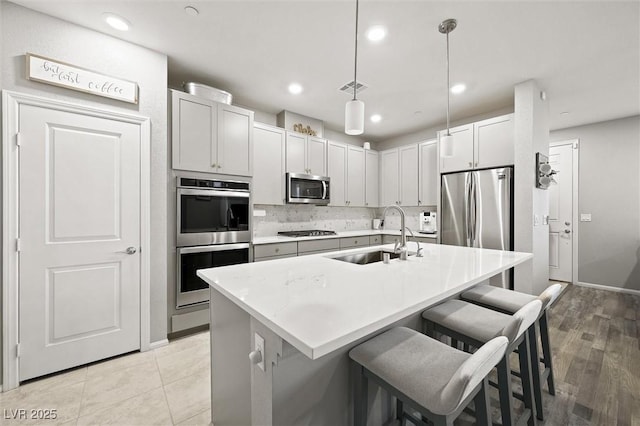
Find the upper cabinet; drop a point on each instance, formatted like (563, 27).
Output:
(306, 154)
(346, 168)
(372, 178)
(428, 173)
(399, 176)
(355, 176)
(269, 164)
(484, 144)
(208, 136)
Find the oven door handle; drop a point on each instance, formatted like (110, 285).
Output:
(218, 247)
(212, 193)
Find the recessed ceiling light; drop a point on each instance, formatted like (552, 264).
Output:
(456, 89)
(191, 11)
(117, 22)
(295, 89)
(376, 33)
(564, 113)
(375, 118)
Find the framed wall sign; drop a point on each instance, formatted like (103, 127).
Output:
(60, 74)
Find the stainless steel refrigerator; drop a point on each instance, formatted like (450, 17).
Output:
(477, 211)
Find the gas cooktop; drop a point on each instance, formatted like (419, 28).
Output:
(306, 233)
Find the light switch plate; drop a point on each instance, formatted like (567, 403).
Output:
(585, 217)
(259, 346)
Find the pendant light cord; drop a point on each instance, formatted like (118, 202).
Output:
(355, 67)
(448, 84)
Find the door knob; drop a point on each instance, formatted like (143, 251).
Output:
(567, 231)
(129, 250)
(255, 356)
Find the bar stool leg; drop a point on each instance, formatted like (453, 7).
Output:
(546, 351)
(525, 374)
(481, 404)
(399, 410)
(504, 391)
(535, 370)
(360, 397)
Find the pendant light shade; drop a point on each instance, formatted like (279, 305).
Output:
(354, 110)
(446, 141)
(354, 117)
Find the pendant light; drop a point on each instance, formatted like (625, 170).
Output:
(354, 110)
(446, 141)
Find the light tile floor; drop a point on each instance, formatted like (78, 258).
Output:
(166, 386)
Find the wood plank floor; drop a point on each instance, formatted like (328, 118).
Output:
(596, 353)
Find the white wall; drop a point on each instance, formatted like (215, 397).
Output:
(531, 118)
(23, 30)
(609, 189)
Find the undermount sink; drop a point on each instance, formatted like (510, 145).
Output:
(366, 257)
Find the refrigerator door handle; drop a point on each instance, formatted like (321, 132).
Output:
(467, 208)
(473, 201)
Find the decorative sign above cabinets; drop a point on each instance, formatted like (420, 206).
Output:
(60, 74)
(305, 130)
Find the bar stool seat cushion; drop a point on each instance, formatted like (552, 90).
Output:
(473, 321)
(501, 298)
(436, 376)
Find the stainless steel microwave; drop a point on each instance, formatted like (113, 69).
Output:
(308, 189)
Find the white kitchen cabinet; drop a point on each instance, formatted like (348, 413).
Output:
(268, 166)
(428, 173)
(389, 177)
(306, 154)
(372, 178)
(486, 143)
(399, 176)
(211, 137)
(337, 171)
(408, 175)
(355, 176)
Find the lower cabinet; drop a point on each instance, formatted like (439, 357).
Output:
(315, 246)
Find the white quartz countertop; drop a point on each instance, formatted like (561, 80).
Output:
(342, 234)
(319, 304)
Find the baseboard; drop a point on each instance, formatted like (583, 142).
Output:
(158, 344)
(608, 288)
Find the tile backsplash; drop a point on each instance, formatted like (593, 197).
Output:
(297, 217)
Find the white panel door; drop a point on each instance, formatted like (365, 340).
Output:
(268, 166)
(235, 136)
(355, 176)
(337, 171)
(296, 152)
(428, 170)
(316, 156)
(389, 178)
(409, 175)
(561, 214)
(79, 213)
(372, 176)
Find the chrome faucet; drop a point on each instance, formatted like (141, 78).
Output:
(402, 249)
(419, 250)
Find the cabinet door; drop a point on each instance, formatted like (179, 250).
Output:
(462, 152)
(409, 175)
(316, 156)
(389, 176)
(494, 142)
(296, 152)
(337, 168)
(355, 176)
(428, 170)
(268, 165)
(372, 178)
(193, 133)
(235, 137)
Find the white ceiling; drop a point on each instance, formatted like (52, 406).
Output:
(585, 55)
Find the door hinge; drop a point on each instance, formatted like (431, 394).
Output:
(575, 145)
(18, 139)
(18, 351)
(18, 245)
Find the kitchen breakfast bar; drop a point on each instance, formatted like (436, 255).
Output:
(310, 311)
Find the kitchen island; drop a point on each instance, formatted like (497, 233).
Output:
(311, 311)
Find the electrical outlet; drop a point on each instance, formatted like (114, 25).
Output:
(585, 217)
(259, 346)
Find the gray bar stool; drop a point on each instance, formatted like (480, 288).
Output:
(508, 302)
(424, 374)
(474, 326)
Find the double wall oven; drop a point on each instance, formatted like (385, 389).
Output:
(212, 230)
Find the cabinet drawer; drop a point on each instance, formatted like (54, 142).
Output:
(318, 245)
(351, 242)
(278, 249)
(284, 256)
(390, 239)
(375, 240)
